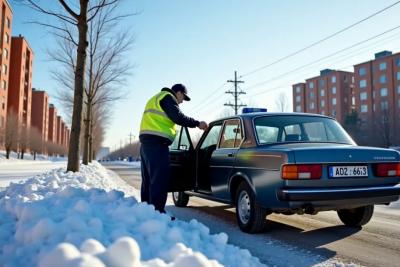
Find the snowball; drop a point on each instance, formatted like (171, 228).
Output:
(86, 261)
(124, 252)
(195, 260)
(92, 246)
(60, 256)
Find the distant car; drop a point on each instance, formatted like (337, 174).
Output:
(290, 163)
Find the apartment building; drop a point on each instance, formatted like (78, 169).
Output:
(377, 97)
(330, 93)
(52, 133)
(5, 49)
(40, 116)
(20, 87)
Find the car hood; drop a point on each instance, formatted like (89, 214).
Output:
(336, 153)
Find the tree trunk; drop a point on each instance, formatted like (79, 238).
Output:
(22, 154)
(8, 153)
(86, 146)
(34, 155)
(73, 152)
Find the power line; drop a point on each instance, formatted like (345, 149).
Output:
(318, 42)
(207, 98)
(320, 59)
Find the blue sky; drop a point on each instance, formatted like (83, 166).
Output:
(202, 43)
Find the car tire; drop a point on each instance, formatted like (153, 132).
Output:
(356, 217)
(250, 216)
(180, 199)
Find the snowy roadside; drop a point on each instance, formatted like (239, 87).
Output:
(93, 219)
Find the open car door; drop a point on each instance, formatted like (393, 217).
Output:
(182, 162)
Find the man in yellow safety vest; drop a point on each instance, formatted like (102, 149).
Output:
(157, 132)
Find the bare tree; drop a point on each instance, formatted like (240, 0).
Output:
(78, 16)
(36, 142)
(282, 103)
(107, 68)
(11, 134)
(24, 139)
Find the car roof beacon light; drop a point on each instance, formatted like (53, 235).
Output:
(251, 110)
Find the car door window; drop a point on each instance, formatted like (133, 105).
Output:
(212, 137)
(175, 143)
(181, 141)
(231, 135)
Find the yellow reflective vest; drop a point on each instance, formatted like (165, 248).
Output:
(155, 121)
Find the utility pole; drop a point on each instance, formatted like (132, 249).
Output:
(235, 95)
(130, 138)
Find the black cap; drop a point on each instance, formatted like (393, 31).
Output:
(181, 88)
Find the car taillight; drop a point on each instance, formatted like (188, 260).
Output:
(388, 169)
(301, 171)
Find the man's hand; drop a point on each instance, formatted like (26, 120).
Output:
(203, 125)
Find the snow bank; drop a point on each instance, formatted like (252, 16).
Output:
(92, 219)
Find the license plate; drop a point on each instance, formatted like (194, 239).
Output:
(348, 171)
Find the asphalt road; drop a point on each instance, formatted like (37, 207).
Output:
(376, 244)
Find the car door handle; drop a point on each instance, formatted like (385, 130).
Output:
(230, 155)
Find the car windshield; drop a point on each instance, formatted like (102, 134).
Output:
(309, 129)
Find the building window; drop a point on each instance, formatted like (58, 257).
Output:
(382, 78)
(298, 108)
(362, 71)
(311, 85)
(363, 96)
(298, 98)
(312, 95)
(323, 112)
(363, 83)
(398, 62)
(364, 108)
(333, 113)
(5, 53)
(4, 85)
(398, 103)
(312, 105)
(7, 38)
(8, 22)
(384, 91)
(398, 75)
(398, 89)
(382, 66)
(321, 83)
(322, 92)
(297, 89)
(322, 103)
(4, 69)
(334, 90)
(384, 105)
(334, 101)
(333, 79)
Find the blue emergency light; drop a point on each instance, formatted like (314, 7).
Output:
(251, 110)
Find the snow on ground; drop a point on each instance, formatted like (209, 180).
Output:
(92, 219)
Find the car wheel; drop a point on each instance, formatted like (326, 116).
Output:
(356, 217)
(180, 199)
(250, 216)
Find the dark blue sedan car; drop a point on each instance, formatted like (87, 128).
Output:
(290, 163)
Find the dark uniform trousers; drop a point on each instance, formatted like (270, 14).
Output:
(155, 174)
